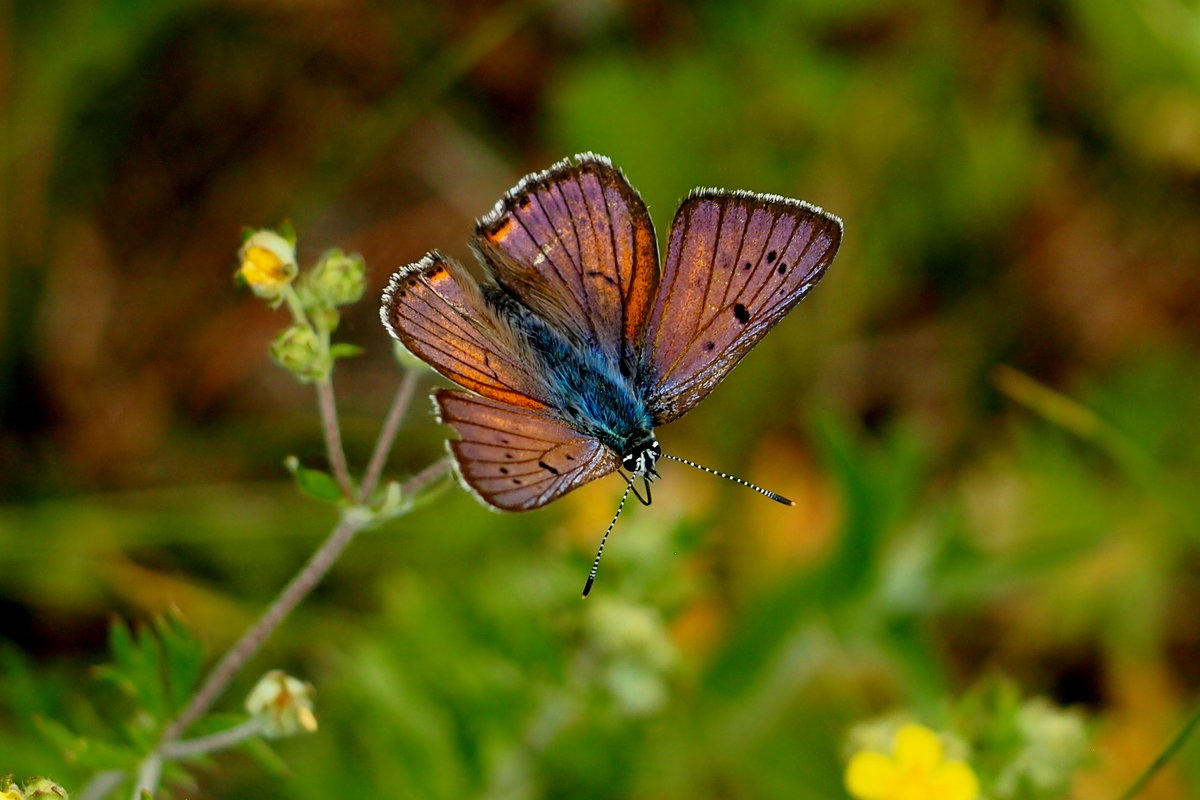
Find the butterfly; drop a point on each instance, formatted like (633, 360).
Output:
(574, 349)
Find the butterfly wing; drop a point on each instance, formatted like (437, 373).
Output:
(737, 262)
(437, 311)
(575, 245)
(518, 459)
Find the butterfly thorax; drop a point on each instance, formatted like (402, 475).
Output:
(586, 387)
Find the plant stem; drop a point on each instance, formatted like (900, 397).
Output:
(1166, 755)
(252, 639)
(292, 594)
(102, 784)
(149, 774)
(222, 740)
(426, 476)
(333, 437)
(387, 434)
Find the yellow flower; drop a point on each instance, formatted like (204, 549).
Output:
(915, 770)
(268, 263)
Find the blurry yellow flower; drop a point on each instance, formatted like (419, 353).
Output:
(915, 770)
(268, 263)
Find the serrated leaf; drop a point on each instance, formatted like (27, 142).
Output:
(90, 753)
(345, 350)
(120, 641)
(313, 482)
(183, 655)
(148, 678)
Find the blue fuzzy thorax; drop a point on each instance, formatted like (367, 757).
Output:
(587, 387)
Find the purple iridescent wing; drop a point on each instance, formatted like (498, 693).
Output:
(436, 310)
(576, 246)
(736, 264)
(518, 459)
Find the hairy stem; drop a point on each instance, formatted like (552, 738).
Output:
(102, 784)
(223, 740)
(426, 476)
(253, 639)
(148, 776)
(387, 434)
(333, 438)
(288, 599)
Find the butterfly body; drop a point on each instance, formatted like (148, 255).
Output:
(588, 389)
(574, 348)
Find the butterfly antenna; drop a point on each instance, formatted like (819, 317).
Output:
(587, 587)
(778, 498)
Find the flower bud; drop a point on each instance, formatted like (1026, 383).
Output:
(43, 789)
(1054, 746)
(325, 319)
(282, 704)
(268, 263)
(298, 350)
(337, 279)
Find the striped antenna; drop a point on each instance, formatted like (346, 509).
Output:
(778, 498)
(587, 587)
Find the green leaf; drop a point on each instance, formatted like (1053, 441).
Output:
(287, 231)
(345, 350)
(93, 754)
(315, 483)
(183, 656)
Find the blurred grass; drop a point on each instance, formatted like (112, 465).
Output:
(986, 413)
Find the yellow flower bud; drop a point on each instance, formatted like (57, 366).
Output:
(268, 263)
(282, 704)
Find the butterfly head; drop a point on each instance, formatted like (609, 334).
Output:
(640, 460)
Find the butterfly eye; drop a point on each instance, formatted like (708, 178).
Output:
(630, 462)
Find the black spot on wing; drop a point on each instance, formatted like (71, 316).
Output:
(739, 311)
(547, 467)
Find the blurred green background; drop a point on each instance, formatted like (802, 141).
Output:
(987, 412)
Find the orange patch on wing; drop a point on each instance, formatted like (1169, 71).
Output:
(503, 395)
(500, 232)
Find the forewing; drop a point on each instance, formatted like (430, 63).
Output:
(575, 244)
(736, 264)
(516, 459)
(437, 311)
